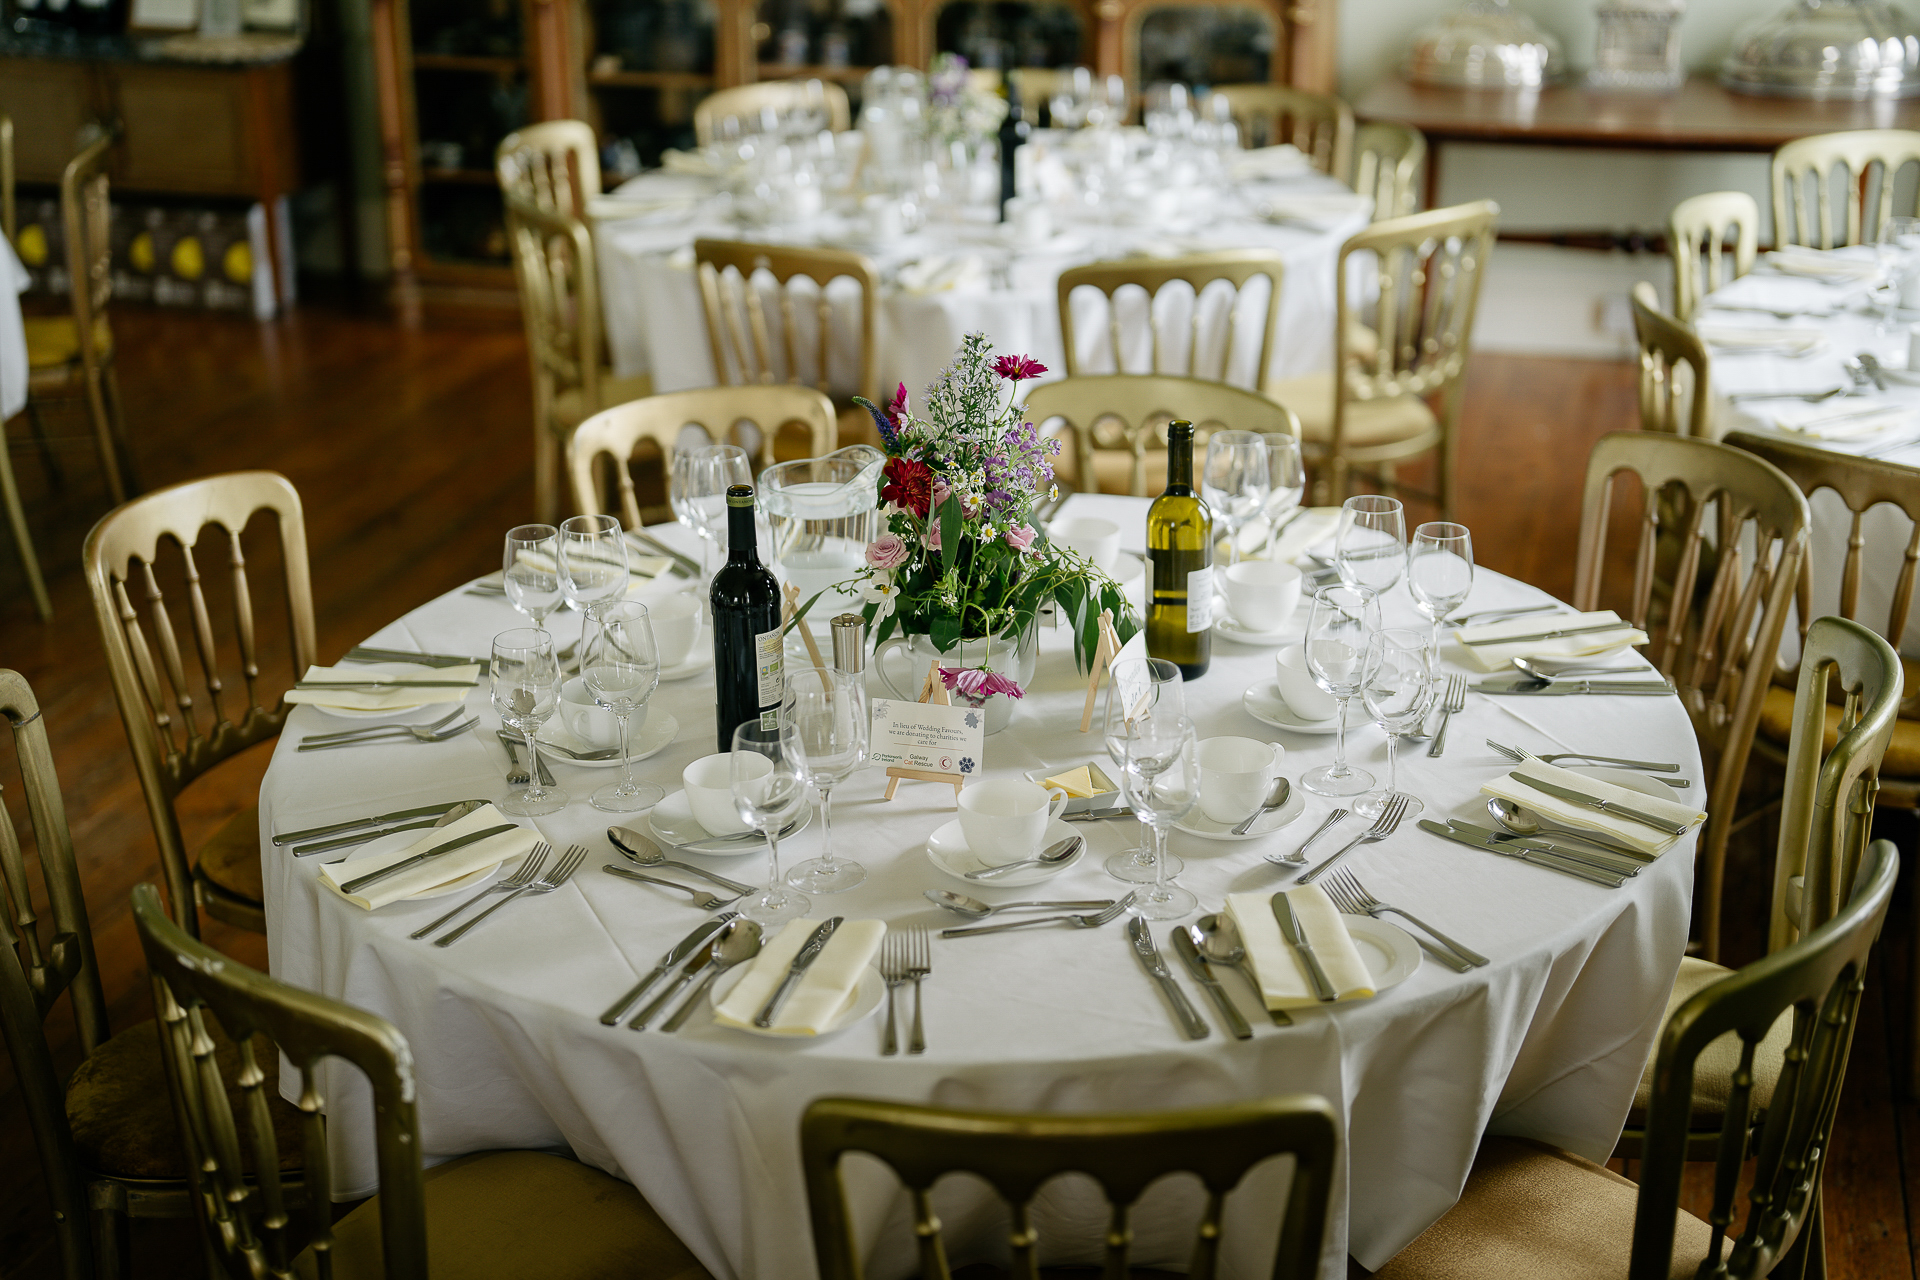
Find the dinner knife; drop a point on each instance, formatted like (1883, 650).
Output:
(1297, 939)
(1534, 686)
(1606, 860)
(374, 877)
(378, 819)
(384, 684)
(1555, 635)
(700, 961)
(680, 951)
(808, 953)
(1526, 853)
(361, 653)
(367, 837)
(1192, 1023)
(1197, 966)
(1568, 794)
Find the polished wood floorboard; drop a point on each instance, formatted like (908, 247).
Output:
(411, 452)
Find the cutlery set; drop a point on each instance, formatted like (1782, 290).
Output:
(439, 731)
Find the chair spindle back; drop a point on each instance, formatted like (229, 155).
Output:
(1237, 268)
(1665, 346)
(1697, 229)
(1864, 162)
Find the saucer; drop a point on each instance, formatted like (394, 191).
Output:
(1199, 824)
(394, 841)
(653, 737)
(673, 825)
(1227, 629)
(1129, 568)
(400, 671)
(1389, 952)
(868, 995)
(701, 659)
(1264, 703)
(947, 848)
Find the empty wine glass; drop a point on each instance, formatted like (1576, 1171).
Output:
(593, 566)
(768, 791)
(1397, 690)
(526, 693)
(1234, 481)
(697, 492)
(1440, 572)
(1139, 689)
(1286, 484)
(621, 669)
(530, 571)
(1370, 548)
(1162, 783)
(1337, 631)
(826, 712)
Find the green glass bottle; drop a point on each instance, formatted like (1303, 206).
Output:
(1180, 565)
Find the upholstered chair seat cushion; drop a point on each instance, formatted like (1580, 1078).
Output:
(1903, 753)
(1369, 422)
(53, 342)
(1713, 1070)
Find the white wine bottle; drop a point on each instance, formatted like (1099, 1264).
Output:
(1180, 565)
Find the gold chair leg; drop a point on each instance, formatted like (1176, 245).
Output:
(103, 438)
(17, 517)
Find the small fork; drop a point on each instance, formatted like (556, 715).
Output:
(520, 879)
(1522, 754)
(893, 967)
(562, 871)
(1456, 700)
(398, 731)
(1092, 920)
(1383, 826)
(1352, 897)
(919, 965)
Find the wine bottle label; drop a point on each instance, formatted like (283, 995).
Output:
(769, 655)
(1199, 599)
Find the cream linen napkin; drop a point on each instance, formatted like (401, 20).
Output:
(1821, 264)
(1320, 209)
(1284, 983)
(434, 871)
(1768, 292)
(1635, 835)
(1318, 524)
(1493, 657)
(1848, 420)
(384, 699)
(824, 990)
(1775, 338)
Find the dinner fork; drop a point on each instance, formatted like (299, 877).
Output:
(1456, 700)
(364, 730)
(562, 871)
(401, 731)
(701, 898)
(1352, 897)
(1300, 854)
(1092, 920)
(919, 964)
(1383, 826)
(893, 967)
(520, 879)
(1521, 754)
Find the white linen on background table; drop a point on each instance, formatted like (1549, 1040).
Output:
(1548, 1041)
(13, 333)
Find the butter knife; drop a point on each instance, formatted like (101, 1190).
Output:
(363, 653)
(1297, 939)
(1554, 635)
(374, 877)
(1604, 806)
(1197, 966)
(1190, 1022)
(1097, 815)
(681, 950)
(810, 952)
(1617, 863)
(700, 960)
(377, 820)
(1526, 853)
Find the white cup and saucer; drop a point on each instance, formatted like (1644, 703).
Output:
(1292, 700)
(703, 808)
(1003, 820)
(1236, 776)
(1099, 541)
(1262, 597)
(583, 725)
(679, 636)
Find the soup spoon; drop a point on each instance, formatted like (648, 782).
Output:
(1053, 856)
(1525, 822)
(1219, 941)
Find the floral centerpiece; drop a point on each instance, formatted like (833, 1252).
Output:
(957, 110)
(960, 565)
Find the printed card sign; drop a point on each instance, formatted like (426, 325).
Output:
(927, 736)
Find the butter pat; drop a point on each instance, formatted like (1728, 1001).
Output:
(1077, 783)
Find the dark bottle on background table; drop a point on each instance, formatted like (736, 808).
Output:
(1180, 565)
(1013, 135)
(748, 652)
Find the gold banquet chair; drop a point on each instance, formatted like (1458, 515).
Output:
(1529, 1209)
(1319, 124)
(1017, 1155)
(174, 737)
(506, 1214)
(1199, 271)
(1666, 346)
(1371, 410)
(1863, 162)
(1387, 159)
(1117, 420)
(752, 102)
(1704, 258)
(1719, 635)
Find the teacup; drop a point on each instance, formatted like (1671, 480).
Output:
(591, 723)
(1235, 776)
(1097, 540)
(1262, 595)
(1006, 819)
(1297, 688)
(1029, 219)
(709, 784)
(676, 625)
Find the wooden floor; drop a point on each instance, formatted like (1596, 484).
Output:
(411, 452)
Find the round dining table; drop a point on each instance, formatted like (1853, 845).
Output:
(1546, 1041)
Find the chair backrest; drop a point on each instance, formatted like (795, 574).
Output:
(1698, 242)
(39, 963)
(252, 1225)
(1235, 267)
(1319, 124)
(748, 345)
(156, 694)
(553, 263)
(1386, 165)
(1018, 1154)
(613, 435)
(749, 103)
(1666, 345)
(555, 165)
(87, 217)
(1129, 412)
(7, 227)
(1866, 163)
(1820, 978)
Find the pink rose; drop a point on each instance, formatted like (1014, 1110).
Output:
(933, 535)
(888, 551)
(1021, 537)
(941, 492)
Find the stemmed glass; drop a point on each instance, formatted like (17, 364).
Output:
(768, 791)
(1440, 572)
(697, 492)
(593, 566)
(1140, 689)
(1337, 631)
(1234, 481)
(621, 669)
(530, 571)
(1370, 548)
(1162, 782)
(526, 693)
(826, 712)
(1397, 690)
(1286, 484)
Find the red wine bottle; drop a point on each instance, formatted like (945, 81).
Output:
(748, 649)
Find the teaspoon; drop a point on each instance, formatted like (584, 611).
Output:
(1053, 856)
(1219, 941)
(974, 909)
(643, 852)
(1275, 798)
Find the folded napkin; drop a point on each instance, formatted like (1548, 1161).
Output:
(437, 870)
(1493, 657)
(1781, 293)
(1282, 161)
(1841, 420)
(938, 273)
(1320, 209)
(662, 186)
(384, 699)
(1775, 338)
(1317, 525)
(1635, 835)
(692, 164)
(1284, 982)
(1822, 264)
(824, 991)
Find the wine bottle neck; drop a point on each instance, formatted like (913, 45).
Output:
(1180, 459)
(740, 530)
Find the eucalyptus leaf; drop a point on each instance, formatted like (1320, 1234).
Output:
(949, 532)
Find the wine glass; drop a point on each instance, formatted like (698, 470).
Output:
(530, 571)
(621, 669)
(1162, 783)
(1397, 690)
(768, 790)
(826, 712)
(1139, 689)
(697, 492)
(1440, 571)
(1370, 548)
(526, 693)
(1234, 481)
(1337, 631)
(593, 566)
(1286, 484)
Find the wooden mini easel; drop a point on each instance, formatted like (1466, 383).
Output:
(934, 692)
(787, 613)
(1103, 655)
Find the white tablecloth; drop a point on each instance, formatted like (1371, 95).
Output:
(1547, 1041)
(13, 337)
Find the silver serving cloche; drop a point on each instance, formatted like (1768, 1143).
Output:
(1827, 49)
(1484, 44)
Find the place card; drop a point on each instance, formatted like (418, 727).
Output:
(927, 737)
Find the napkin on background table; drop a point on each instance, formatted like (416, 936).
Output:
(435, 871)
(1318, 209)
(824, 990)
(1317, 525)
(1795, 339)
(1823, 264)
(1282, 161)
(1635, 835)
(1845, 419)
(384, 699)
(1782, 293)
(1493, 657)
(1284, 983)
